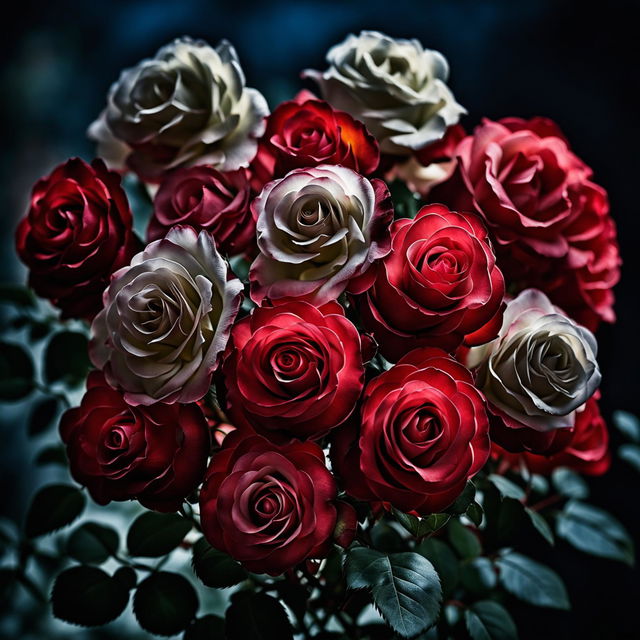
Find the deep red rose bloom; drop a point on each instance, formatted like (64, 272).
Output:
(439, 284)
(587, 449)
(78, 231)
(424, 432)
(308, 132)
(206, 199)
(155, 454)
(293, 370)
(549, 221)
(270, 507)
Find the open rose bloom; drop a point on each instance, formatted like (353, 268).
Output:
(354, 325)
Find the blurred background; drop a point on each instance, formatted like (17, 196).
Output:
(575, 62)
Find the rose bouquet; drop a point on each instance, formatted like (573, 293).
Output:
(352, 359)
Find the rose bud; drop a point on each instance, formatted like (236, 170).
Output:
(270, 507)
(536, 374)
(78, 231)
(308, 132)
(396, 87)
(166, 320)
(156, 455)
(550, 223)
(423, 433)
(209, 200)
(188, 105)
(438, 284)
(293, 370)
(346, 524)
(319, 231)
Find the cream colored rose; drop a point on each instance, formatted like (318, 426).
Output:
(188, 105)
(318, 230)
(541, 368)
(166, 320)
(396, 87)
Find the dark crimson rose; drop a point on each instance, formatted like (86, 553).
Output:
(78, 231)
(423, 433)
(206, 199)
(270, 507)
(293, 370)
(307, 132)
(155, 454)
(585, 448)
(439, 284)
(550, 222)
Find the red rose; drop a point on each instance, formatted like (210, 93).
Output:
(439, 284)
(78, 231)
(206, 199)
(268, 506)
(293, 369)
(584, 448)
(308, 132)
(583, 287)
(549, 221)
(155, 454)
(424, 432)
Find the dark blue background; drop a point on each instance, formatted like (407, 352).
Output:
(575, 62)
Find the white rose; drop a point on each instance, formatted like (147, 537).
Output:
(318, 229)
(188, 105)
(166, 320)
(541, 368)
(396, 87)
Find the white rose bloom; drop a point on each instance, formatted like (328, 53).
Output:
(541, 368)
(166, 320)
(396, 87)
(318, 229)
(188, 105)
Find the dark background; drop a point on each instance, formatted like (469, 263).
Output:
(572, 61)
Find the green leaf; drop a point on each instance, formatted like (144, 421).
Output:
(16, 372)
(475, 513)
(443, 559)
(53, 507)
(532, 582)
(206, 628)
(215, 568)
(464, 541)
(488, 620)
(67, 358)
(405, 587)
(630, 453)
(127, 577)
(17, 295)
(463, 501)
(155, 534)
(541, 525)
(55, 454)
(506, 488)
(569, 484)
(256, 616)
(478, 575)
(165, 603)
(420, 527)
(627, 424)
(594, 531)
(93, 543)
(88, 596)
(42, 416)
(386, 538)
